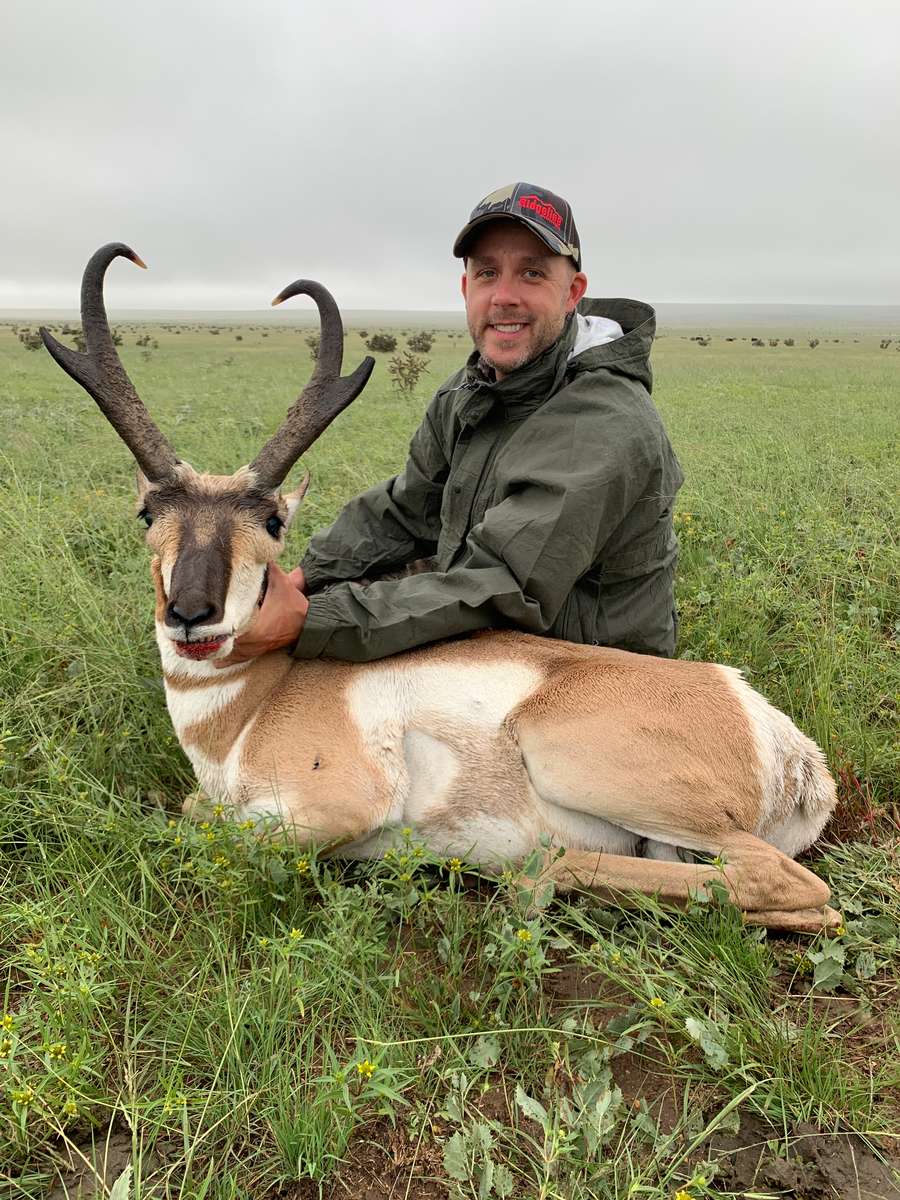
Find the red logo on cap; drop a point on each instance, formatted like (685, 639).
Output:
(541, 208)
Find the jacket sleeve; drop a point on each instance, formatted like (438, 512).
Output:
(390, 524)
(517, 567)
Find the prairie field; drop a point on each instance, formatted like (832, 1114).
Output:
(224, 1015)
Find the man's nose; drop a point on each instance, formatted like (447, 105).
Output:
(506, 290)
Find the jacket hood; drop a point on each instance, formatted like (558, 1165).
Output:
(627, 355)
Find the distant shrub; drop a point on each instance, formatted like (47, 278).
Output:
(364, 333)
(421, 342)
(405, 370)
(238, 337)
(774, 341)
(757, 342)
(813, 342)
(30, 339)
(885, 342)
(314, 341)
(382, 342)
(789, 341)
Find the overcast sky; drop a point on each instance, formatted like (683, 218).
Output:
(711, 151)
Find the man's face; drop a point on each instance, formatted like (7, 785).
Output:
(518, 294)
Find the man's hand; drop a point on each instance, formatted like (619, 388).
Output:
(278, 622)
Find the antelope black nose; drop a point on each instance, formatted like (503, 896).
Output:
(188, 614)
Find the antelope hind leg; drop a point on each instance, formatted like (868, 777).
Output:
(770, 887)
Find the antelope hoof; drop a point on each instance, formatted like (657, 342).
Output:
(800, 920)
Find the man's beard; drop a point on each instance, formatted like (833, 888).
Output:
(544, 335)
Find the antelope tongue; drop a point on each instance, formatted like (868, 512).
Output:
(199, 650)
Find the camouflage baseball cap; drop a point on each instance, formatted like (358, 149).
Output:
(544, 213)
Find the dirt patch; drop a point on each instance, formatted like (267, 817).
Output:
(818, 1166)
(381, 1163)
(638, 1081)
(90, 1168)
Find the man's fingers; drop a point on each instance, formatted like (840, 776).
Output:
(297, 579)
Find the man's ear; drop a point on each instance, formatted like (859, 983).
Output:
(577, 288)
(293, 499)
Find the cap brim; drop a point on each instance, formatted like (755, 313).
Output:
(557, 245)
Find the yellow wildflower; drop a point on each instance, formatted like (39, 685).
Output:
(57, 1050)
(70, 1108)
(301, 866)
(365, 1069)
(524, 935)
(296, 935)
(657, 1002)
(7, 1021)
(455, 864)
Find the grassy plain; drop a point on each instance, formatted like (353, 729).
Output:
(240, 1020)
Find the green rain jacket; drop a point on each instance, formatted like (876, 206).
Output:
(545, 499)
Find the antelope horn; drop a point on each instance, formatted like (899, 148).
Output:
(326, 394)
(100, 372)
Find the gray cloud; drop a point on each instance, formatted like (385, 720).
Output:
(710, 151)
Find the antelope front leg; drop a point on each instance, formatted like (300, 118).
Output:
(771, 888)
(196, 804)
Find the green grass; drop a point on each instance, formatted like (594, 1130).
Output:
(248, 1018)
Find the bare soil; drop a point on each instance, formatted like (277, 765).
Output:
(818, 1166)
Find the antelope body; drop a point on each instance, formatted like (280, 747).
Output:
(633, 764)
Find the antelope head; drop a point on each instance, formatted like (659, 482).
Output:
(213, 536)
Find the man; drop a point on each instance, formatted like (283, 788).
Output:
(540, 481)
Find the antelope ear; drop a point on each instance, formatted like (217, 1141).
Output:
(143, 485)
(293, 499)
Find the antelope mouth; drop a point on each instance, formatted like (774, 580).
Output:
(198, 650)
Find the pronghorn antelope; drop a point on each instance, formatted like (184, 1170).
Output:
(635, 765)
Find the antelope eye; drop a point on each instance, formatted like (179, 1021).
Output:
(274, 526)
(144, 516)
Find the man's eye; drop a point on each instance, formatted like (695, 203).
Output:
(144, 516)
(274, 526)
